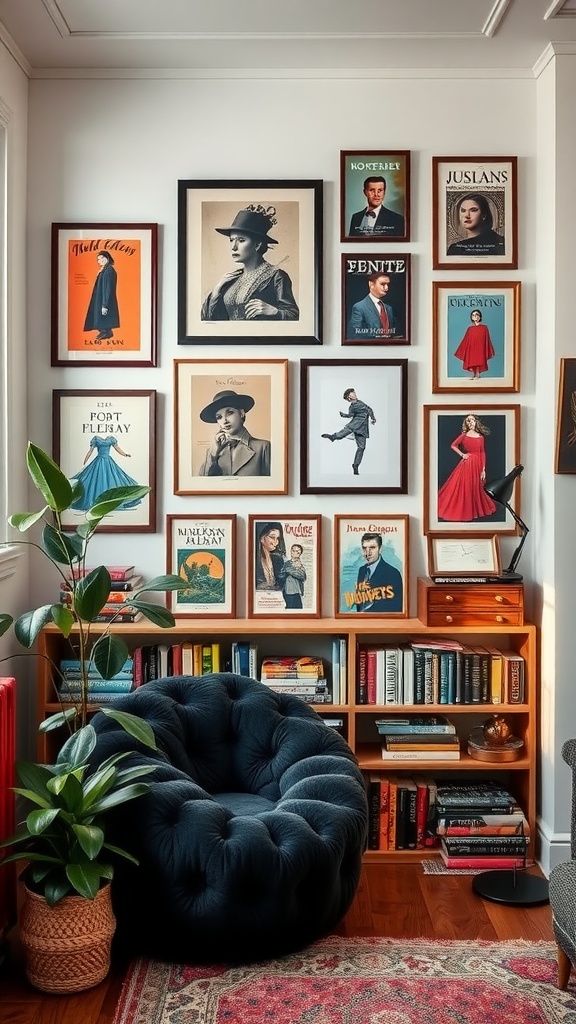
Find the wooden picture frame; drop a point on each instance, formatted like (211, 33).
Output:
(454, 498)
(106, 422)
(250, 262)
(377, 181)
(202, 550)
(104, 285)
(565, 448)
(375, 299)
(207, 459)
(371, 574)
(476, 337)
(379, 444)
(475, 212)
(283, 581)
(463, 555)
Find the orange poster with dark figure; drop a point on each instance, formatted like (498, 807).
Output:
(104, 276)
(104, 288)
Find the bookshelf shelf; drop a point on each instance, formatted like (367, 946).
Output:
(280, 636)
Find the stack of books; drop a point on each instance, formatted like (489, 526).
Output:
(117, 608)
(401, 811)
(100, 690)
(305, 677)
(480, 825)
(418, 738)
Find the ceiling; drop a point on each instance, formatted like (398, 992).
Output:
(93, 37)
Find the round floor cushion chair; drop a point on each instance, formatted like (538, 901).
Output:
(251, 838)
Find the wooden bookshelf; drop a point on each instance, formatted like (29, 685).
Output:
(314, 636)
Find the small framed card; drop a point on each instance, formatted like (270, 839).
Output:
(202, 550)
(283, 565)
(460, 555)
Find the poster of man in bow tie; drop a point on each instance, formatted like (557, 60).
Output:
(384, 179)
(375, 299)
(370, 560)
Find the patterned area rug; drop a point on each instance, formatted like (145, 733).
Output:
(359, 981)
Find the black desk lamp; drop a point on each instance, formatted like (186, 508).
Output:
(501, 492)
(509, 885)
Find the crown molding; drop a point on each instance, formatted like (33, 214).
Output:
(493, 20)
(15, 51)
(563, 49)
(227, 74)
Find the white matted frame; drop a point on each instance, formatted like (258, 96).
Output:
(107, 439)
(371, 574)
(463, 555)
(207, 459)
(284, 559)
(201, 549)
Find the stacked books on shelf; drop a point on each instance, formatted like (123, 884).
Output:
(100, 690)
(401, 811)
(439, 672)
(418, 738)
(480, 825)
(157, 661)
(117, 607)
(304, 677)
(339, 670)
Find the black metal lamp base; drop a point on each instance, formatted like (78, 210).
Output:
(508, 577)
(511, 887)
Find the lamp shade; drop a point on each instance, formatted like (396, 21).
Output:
(501, 490)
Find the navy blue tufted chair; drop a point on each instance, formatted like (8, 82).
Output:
(250, 840)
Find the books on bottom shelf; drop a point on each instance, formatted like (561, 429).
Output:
(489, 861)
(479, 796)
(421, 755)
(462, 824)
(401, 811)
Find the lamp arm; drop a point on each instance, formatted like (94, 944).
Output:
(516, 556)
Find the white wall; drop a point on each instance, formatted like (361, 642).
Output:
(114, 150)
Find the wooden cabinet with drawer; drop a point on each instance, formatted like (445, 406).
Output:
(462, 604)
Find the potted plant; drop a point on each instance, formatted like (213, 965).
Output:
(63, 840)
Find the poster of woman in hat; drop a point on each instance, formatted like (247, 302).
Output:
(249, 261)
(231, 426)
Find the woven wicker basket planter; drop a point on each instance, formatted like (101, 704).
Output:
(67, 946)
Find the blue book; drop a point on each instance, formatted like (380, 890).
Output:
(415, 723)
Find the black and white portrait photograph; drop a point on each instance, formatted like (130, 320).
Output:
(249, 262)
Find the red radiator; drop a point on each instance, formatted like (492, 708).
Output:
(7, 756)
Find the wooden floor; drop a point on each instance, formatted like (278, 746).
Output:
(394, 900)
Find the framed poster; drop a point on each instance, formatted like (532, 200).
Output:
(566, 418)
(375, 299)
(250, 262)
(94, 435)
(476, 336)
(374, 195)
(284, 559)
(475, 212)
(468, 446)
(458, 555)
(353, 419)
(371, 566)
(230, 426)
(104, 294)
(202, 550)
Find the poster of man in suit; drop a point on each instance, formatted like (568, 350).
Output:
(375, 299)
(374, 196)
(371, 565)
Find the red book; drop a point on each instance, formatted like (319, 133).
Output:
(176, 659)
(421, 809)
(371, 676)
(493, 861)
(117, 572)
(137, 673)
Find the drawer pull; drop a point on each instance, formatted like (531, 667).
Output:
(500, 618)
(499, 598)
(449, 618)
(448, 597)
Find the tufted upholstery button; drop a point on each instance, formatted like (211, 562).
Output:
(251, 838)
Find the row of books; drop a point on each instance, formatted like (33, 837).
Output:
(156, 661)
(474, 825)
(425, 673)
(100, 690)
(117, 609)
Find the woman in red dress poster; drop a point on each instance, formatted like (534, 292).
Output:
(476, 347)
(462, 497)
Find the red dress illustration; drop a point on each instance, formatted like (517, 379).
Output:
(476, 348)
(462, 497)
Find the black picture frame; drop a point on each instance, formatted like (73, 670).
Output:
(360, 325)
(216, 305)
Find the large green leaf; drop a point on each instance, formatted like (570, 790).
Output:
(5, 623)
(97, 786)
(48, 478)
(28, 626)
(34, 798)
(121, 852)
(120, 796)
(109, 654)
(56, 720)
(105, 505)
(60, 547)
(91, 839)
(78, 748)
(134, 726)
(156, 613)
(69, 789)
(92, 592)
(63, 618)
(55, 888)
(84, 878)
(169, 582)
(129, 774)
(34, 776)
(22, 521)
(38, 821)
